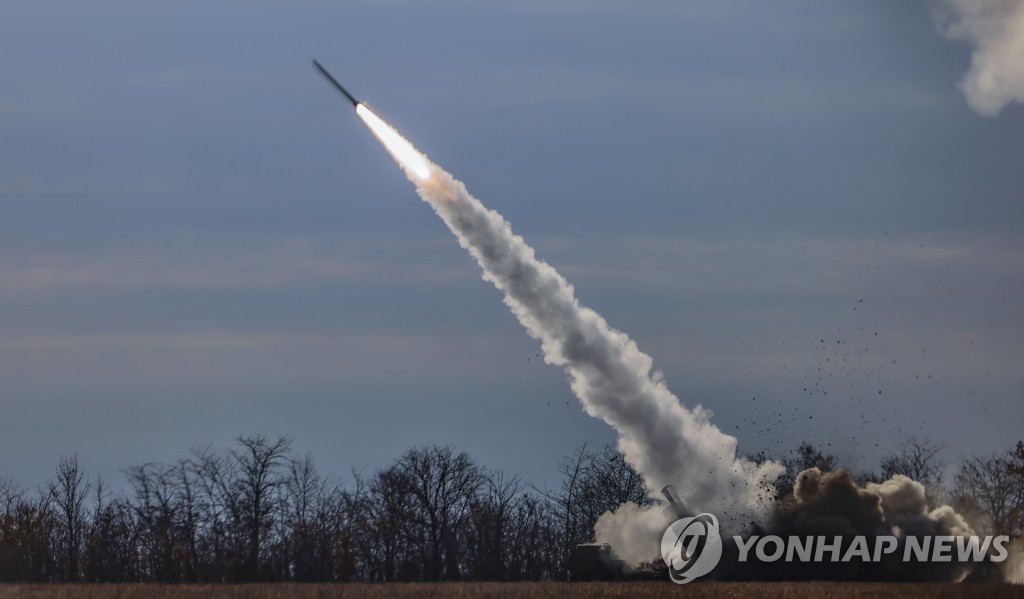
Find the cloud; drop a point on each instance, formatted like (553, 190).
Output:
(996, 30)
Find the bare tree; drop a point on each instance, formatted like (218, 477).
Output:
(68, 492)
(258, 461)
(156, 509)
(359, 524)
(110, 538)
(11, 499)
(220, 508)
(608, 482)
(921, 460)
(387, 505)
(442, 484)
(490, 527)
(92, 542)
(512, 535)
(532, 540)
(308, 522)
(993, 488)
(573, 468)
(188, 499)
(28, 530)
(10, 494)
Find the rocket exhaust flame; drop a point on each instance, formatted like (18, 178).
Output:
(407, 156)
(668, 443)
(413, 162)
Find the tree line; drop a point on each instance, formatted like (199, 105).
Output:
(257, 512)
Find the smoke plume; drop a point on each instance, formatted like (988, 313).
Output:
(996, 30)
(613, 379)
(832, 504)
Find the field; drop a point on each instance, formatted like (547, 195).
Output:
(552, 590)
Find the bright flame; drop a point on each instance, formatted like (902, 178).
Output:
(399, 147)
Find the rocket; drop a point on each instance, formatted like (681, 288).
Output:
(414, 162)
(334, 81)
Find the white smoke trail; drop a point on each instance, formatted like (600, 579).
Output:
(996, 29)
(613, 379)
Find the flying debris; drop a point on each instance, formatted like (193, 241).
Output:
(334, 81)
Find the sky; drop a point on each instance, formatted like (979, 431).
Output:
(808, 213)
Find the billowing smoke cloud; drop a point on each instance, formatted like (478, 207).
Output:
(613, 379)
(634, 532)
(829, 504)
(996, 30)
(832, 504)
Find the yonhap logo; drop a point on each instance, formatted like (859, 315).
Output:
(691, 547)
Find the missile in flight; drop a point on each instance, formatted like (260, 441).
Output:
(399, 147)
(334, 81)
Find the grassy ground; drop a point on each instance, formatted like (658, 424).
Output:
(526, 590)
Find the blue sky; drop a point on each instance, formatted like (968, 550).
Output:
(793, 203)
